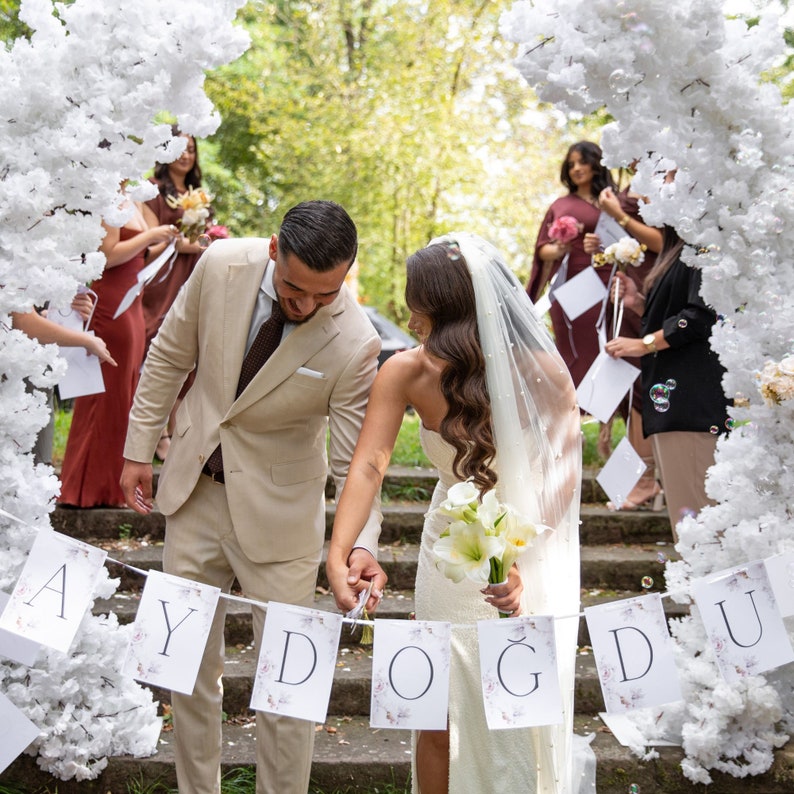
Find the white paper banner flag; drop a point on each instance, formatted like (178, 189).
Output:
(621, 472)
(518, 665)
(604, 385)
(16, 732)
(633, 653)
(295, 671)
(780, 570)
(12, 646)
(54, 590)
(580, 293)
(410, 675)
(742, 620)
(170, 631)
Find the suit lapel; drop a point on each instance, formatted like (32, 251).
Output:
(303, 342)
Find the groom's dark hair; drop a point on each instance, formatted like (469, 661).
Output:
(319, 233)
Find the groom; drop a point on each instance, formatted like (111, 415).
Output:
(243, 487)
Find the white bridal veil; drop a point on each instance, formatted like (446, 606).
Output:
(537, 434)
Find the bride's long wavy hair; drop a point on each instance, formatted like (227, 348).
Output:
(439, 286)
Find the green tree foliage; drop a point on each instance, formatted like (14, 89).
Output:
(10, 26)
(407, 113)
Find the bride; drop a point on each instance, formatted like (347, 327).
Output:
(497, 407)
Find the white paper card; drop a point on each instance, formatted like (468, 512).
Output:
(410, 675)
(621, 472)
(780, 570)
(295, 671)
(609, 230)
(170, 631)
(518, 665)
(144, 276)
(16, 732)
(633, 653)
(581, 292)
(625, 730)
(83, 373)
(83, 370)
(742, 620)
(54, 590)
(544, 304)
(604, 386)
(12, 646)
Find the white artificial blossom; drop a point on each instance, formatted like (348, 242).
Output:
(684, 85)
(79, 101)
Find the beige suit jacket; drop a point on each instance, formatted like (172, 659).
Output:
(274, 436)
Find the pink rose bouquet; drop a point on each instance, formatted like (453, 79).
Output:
(565, 229)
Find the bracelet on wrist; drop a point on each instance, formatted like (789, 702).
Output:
(624, 221)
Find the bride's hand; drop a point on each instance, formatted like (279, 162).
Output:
(506, 597)
(348, 580)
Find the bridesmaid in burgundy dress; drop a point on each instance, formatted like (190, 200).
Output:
(172, 179)
(585, 177)
(93, 459)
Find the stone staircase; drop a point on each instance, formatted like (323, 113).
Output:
(619, 550)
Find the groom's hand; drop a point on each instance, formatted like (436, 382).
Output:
(136, 485)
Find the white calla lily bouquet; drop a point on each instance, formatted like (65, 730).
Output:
(484, 537)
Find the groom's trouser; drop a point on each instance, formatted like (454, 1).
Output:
(200, 545)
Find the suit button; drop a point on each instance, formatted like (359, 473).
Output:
(201, 459)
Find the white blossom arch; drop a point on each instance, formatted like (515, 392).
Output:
(79, 101)
(684, 86)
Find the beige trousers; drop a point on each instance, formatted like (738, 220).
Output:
(200, 545)
(683, 458)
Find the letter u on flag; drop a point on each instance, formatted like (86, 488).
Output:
(295, 670)
(743, 621)
(54, 590)
(170, 631)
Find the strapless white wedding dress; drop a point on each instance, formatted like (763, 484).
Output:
(480, 760)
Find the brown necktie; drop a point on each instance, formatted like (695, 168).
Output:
(265, 342)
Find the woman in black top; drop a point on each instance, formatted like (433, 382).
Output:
(684, 407)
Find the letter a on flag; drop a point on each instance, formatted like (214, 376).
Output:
(54, 590)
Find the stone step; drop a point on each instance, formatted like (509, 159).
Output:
(352, 687)
(351, 756)
(402, 522)
(612, 567)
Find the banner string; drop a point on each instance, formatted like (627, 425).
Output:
(345, 620)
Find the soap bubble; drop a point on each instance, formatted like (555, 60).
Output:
(620, 81)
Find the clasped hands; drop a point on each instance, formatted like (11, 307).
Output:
(351, 576)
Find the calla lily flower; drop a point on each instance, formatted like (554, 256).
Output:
(461, 502)
(466, 552)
